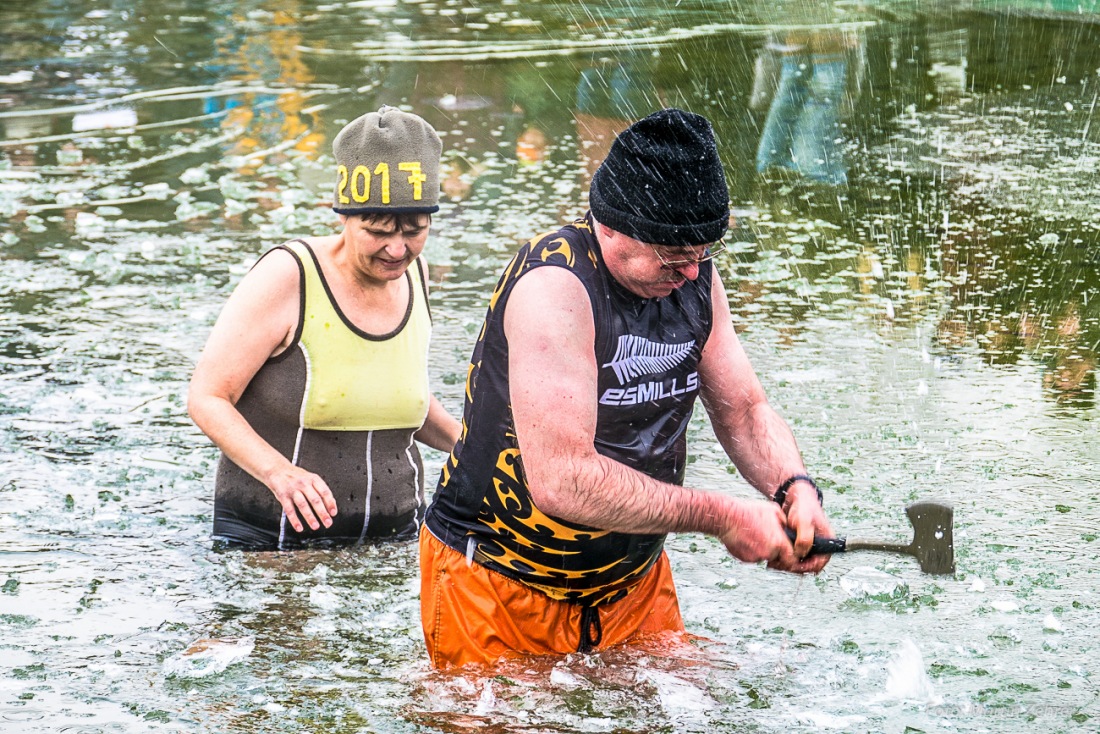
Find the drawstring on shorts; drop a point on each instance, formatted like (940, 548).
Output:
(591, 631)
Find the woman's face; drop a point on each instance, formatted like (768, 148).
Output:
(383, 247)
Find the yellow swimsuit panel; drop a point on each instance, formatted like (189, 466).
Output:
(358, 381)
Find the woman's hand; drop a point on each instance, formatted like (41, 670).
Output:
(305, 493)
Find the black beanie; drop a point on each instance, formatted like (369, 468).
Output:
(662, 182)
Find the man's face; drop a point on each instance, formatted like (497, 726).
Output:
(649, 271)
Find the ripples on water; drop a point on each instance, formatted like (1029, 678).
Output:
(930, 330)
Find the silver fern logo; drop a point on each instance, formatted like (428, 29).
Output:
(636, 356)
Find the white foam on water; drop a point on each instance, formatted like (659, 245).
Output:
(906, 679)
(210, 656)
(321, 627)
(864, 581)
(89, 224)
(104, 120)
(563, 678)
(326, 598)
(19, 77)
(195, 175)
(822, 720)
(679, 698)
(487, 701)
(800, 376)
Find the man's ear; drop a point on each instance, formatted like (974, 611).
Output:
(343, 219)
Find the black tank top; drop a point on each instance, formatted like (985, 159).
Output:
(648, 352)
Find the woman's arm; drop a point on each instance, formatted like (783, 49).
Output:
(440, 429)
(257, 323)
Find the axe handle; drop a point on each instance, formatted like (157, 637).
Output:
(822, 544)
(873, 545)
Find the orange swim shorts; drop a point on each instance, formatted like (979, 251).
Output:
(473, 615)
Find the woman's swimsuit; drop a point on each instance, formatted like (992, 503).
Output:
(343, 404)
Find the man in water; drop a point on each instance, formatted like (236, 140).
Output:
(546, 532)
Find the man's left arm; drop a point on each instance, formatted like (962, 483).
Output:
(755, 437)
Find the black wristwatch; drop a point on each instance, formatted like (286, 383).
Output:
(780, 495)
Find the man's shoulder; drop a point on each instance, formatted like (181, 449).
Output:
(569, 246)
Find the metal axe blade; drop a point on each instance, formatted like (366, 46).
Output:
(933, 536)
(933, 539)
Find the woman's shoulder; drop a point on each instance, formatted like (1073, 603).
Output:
(317, 247)
(419, 266)
(279, 269)
(269, 292)
(289, 257)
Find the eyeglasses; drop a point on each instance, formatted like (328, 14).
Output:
(709, 252)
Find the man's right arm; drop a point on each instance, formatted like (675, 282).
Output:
(552, 373)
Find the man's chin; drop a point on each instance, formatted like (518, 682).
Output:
(667, 287)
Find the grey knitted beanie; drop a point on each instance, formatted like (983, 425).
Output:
(387, 162)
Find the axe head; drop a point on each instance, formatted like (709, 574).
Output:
(933, 536)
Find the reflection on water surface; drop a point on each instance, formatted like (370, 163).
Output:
(916, 284)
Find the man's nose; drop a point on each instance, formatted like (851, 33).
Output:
(688, 270)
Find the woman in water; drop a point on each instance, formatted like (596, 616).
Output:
(314, 381)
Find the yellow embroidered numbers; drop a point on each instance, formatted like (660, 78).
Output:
(383, 169)
(360, 195)
(358, 184)
(416, 178)
(343, 173)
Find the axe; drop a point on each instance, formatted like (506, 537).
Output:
(933, 539)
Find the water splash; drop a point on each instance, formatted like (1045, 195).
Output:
(208, 657)
(906, 679)
(864, 582)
